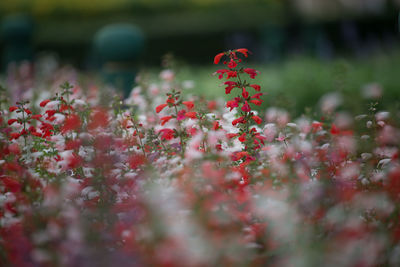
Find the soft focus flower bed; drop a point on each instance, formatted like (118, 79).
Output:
(159, 180)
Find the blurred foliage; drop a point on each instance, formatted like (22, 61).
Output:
(322, 9)
(78, 20)
(48, 7)
(298, 84)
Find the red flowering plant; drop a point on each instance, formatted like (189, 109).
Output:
(180, 111)
(238, 84)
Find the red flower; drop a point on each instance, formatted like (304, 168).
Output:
(192, 115)
(65, 108)
(13, 108)
(28, 111)
(218, 57)
(212, 105)
(257, 119)
(36, 134)
(167, 134)
(36, 117)
(160, 107)
(74, 161)
(246, 107)
(231, 135)
(46, 128)
(44, 103)
(191, 131)
(238, 120)
(50, 113)
(256, 87)
(11, 121)
(11, 184)
(136, 160)
(251, 72)
(32, 129)
(165, 119)
(245, 94)
(256, 102)
(98, 118)
(334, 130)
(232, 64)
(189, 104)
(259, 137)
(239, 155)
(316, 125)
(232, 104)
(257, 95)
(242, 138)
(14, 136)
(231, 74)
(170, 100)
(216, 125)
(73, 144)
(72, 122)
(244, 51)
(230, 86)
(221, 73)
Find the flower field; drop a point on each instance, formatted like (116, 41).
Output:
(167, 178)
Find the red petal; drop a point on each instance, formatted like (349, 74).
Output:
(218, 57)
(160, 107)
(44, 103)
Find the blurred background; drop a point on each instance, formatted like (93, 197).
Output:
(303, 47)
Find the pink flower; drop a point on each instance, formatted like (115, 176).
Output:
(181, 115)
(281, 137)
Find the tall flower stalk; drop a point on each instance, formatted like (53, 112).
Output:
(246, 94)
